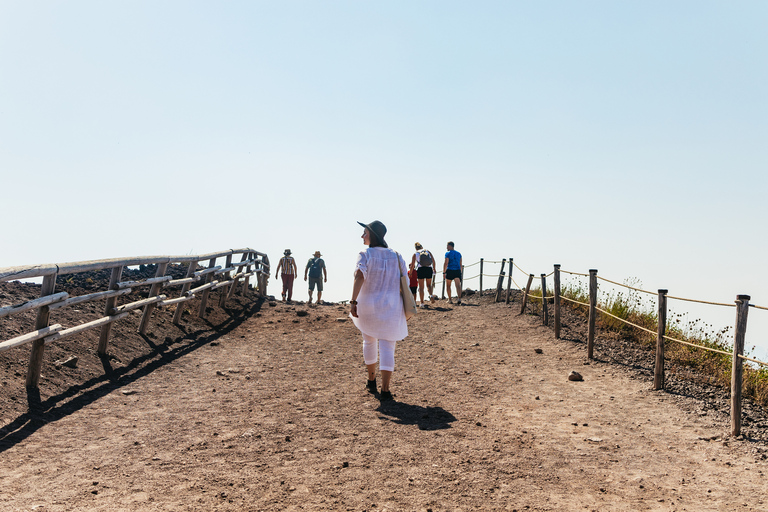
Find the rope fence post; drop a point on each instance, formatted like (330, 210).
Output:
(443, 293)
(111, 303)
(153, 291)
(658, 373)
(481, 277)
(38, 346)
(500, 282)
(557, 301)
(544, 308)
(525, 294)
(742, 308)
(509, 281)
(592, 312)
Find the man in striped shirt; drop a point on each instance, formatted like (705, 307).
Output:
(286, 267)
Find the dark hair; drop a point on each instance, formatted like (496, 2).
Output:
(375, 240)
(451, 244)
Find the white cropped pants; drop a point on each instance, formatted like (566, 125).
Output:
(373, 347)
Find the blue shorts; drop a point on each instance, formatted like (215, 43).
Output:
(316, 281)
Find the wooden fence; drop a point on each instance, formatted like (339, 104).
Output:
(741, 304)
(230, 275)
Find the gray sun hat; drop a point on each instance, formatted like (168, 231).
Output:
(378, 230)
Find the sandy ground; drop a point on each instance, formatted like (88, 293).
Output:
(269, 412)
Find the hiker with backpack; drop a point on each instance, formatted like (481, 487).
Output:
(425, 269)
(317, 275)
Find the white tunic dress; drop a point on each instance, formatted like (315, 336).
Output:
(379, 304)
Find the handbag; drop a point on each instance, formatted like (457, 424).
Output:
(409, 305)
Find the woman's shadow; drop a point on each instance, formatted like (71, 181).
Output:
(426, 418)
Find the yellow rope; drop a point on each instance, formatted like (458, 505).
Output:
(698, 346)
(574, 301)
(753, 360)
(574, 273)
(758, 307)
(518, 268)
(472, 265)
(628, 323)
(626, 286)
(473, 277)
(702, 301)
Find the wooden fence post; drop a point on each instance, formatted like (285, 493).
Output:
(544, 308)
(204, 298)
(481, 277)
(500, 281)
(658, 373)
(509, 280)
(184, 289)
(223, 293)
(592, 312)
(38, 346)
(443, 293)
(153, 291)
(525, 293)
(737, 374)
(239, 271)
(557, 301)
(111, 302)
(248, 271)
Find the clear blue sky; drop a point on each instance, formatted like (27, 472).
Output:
(624, 136)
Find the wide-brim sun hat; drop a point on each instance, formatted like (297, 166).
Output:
(377, 229)
(317, 254)
(287, 252)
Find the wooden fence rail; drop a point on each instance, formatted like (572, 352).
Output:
(252, 264)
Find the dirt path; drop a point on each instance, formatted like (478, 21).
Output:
(272, 415)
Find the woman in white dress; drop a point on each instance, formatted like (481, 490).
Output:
(377, 307)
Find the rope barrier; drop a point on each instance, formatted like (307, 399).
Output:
(626, 322)
(490, 261)
(473, 277)
(574, 301)
(758, 307)
(472, 265)
(702, 301)
(626, 286)
(666, 337)
(574, 273)
(753, 360)
(698, 346)
(518, 268)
